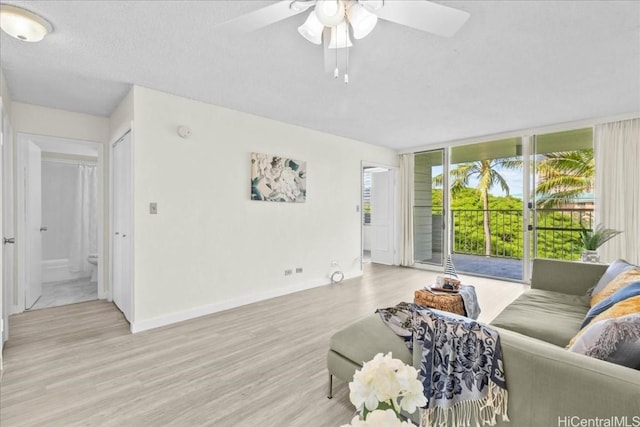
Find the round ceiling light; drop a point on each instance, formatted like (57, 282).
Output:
(23, 24)
(330, 12)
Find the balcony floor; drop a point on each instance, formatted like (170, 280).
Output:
(506, 268)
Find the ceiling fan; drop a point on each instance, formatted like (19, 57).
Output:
(333, 21)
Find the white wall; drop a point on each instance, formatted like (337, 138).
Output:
(210, 246)
(5, 95)
(34, 119)
(120, 120)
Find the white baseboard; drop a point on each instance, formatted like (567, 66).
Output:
(156, 322)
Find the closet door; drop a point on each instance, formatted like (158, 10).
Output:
(122, 265)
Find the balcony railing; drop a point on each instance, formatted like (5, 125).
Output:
(556, 236)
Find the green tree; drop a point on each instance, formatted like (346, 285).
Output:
(564, 176)
(485, 171)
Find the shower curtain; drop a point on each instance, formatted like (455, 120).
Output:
(84, 234)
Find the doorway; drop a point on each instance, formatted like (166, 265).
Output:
(59, 210)
(378, 214)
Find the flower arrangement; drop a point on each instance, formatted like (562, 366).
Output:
(381, 389)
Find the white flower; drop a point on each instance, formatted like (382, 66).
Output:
(413, 397)
(385, 383)
(379, 418)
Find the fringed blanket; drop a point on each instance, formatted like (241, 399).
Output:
(461, 365)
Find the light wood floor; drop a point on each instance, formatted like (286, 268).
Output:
(258, 365)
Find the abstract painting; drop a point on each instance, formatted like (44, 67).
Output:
(278, 179)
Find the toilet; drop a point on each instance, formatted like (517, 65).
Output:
(93, 260)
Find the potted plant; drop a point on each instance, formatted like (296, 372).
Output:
(591, 240)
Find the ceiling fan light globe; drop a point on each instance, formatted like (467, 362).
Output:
(312, 29)
(330, 12)
(23, 24)
(362, 21)
(340, 37)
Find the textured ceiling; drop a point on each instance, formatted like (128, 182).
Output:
(514, 65)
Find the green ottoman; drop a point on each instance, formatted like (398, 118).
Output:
(359, 342)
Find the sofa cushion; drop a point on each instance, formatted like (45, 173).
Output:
(627, 292)
(549, 316)
(615, 340)
(615, 268)
(621, 280)
(362, 340)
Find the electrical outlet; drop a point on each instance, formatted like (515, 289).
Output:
(288, 272)
(298, 270)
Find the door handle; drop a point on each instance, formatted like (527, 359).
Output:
(43, 228)
(11, 240)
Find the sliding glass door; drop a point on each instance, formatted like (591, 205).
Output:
(497, 205)
(487, 208)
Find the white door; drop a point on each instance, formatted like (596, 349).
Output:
(2, 263)
(33, 190)
(122, 277)
(382, 209)
(6, 222)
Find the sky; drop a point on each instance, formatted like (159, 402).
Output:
(513, 178)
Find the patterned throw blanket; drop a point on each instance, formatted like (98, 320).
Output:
(461, 365)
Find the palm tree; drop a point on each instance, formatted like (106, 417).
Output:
(563, 176)
(485, 171)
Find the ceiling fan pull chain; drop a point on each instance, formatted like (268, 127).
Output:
(336, 72)
(346, 53)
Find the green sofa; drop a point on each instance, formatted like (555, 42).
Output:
(548, 385)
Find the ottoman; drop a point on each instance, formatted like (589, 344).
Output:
(359, 342)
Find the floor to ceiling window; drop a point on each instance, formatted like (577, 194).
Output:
(561, 193)
(511, 200)
(428, 210)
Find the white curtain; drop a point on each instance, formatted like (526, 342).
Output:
(617, 187)
(406, 207)
(84, 234)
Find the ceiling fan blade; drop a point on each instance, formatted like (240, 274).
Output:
(260, 18)
(424, 16)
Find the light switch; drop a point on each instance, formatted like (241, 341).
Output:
(153, 208)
